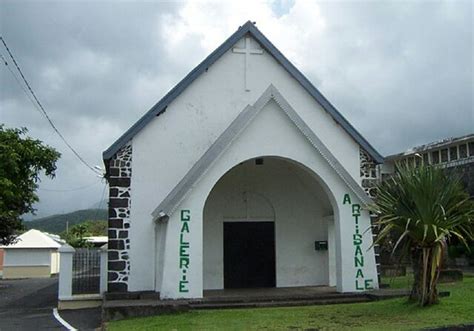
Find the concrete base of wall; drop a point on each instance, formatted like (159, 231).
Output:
(80, 302)
(15, 272)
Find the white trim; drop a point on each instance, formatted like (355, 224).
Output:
(171, 202)
(62, 321)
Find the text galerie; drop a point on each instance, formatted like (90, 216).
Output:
(184, 251)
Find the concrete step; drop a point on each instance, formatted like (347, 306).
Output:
(248, 299)
(285, 303)
(119, 309)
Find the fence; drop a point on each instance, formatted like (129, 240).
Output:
(86, 271)
(82, 271)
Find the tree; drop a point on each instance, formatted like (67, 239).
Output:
(96, 228)
(22, 160)
(75, 236)
(423, 207)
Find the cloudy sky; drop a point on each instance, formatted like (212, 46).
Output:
(401, 72)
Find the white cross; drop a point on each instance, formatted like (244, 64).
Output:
(247, 51)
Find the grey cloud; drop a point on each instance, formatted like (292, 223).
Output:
(401, 72)
(408, 64)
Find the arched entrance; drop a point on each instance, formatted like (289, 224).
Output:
(265, 223)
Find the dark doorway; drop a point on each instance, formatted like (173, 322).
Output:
(249, 254)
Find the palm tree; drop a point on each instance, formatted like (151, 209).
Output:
(423, 207)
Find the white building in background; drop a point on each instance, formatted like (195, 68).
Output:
(35, 254)
(244, 175)
(97, 241)
(452, 154)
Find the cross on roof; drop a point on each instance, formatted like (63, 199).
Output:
(247, 51)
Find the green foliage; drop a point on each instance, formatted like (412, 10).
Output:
(76, 234)
(96, 228)
(394, 314)
(57, 223)
(455, 251)
(423, 208)
(22, 160)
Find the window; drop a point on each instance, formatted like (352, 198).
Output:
(435, 157)
(453, 153)
(462, 151)
(444, 155)
(471, 148)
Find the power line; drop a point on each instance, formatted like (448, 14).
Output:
(100, 202)
(43, 111)
(69, 190)
(19, 83)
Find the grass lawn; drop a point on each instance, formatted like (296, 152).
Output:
(394, 314)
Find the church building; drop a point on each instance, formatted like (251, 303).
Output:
(242, 176)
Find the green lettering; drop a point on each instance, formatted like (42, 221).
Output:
(359, 261)
(185, 215)
(184, 262)
(355, 209)
(357, 238)
(359, 273)
(358, 250)
(368, 284)
(182, 242)
(356, 218)
(183, 286)
(182, 251)
(185, 227)
(347, 199)
(357, 286)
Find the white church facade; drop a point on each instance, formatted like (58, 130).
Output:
(242, 176)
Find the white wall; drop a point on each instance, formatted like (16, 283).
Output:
(329, 220)
(276, 136)
(277, 191)
(168, 146)
(27, 257)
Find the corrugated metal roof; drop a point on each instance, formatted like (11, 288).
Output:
(238, 125)
(247, 28)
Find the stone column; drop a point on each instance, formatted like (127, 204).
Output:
(119, 177)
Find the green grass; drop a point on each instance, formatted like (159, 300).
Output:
(394, 314)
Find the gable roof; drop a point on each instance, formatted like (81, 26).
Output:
(35, 239)
(238, 125)
(247, 28)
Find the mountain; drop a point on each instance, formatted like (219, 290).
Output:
(57, 223)
(100, 205)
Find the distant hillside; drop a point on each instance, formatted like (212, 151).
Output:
(57, 223)
(100, 205)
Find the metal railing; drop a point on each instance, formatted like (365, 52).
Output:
(86, 271)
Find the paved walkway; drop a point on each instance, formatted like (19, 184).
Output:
(27, 304)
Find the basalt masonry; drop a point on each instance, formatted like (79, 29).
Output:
(368, 173)
(120, 173)
(369, 177)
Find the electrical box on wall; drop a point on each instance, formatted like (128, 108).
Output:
(321, 245)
